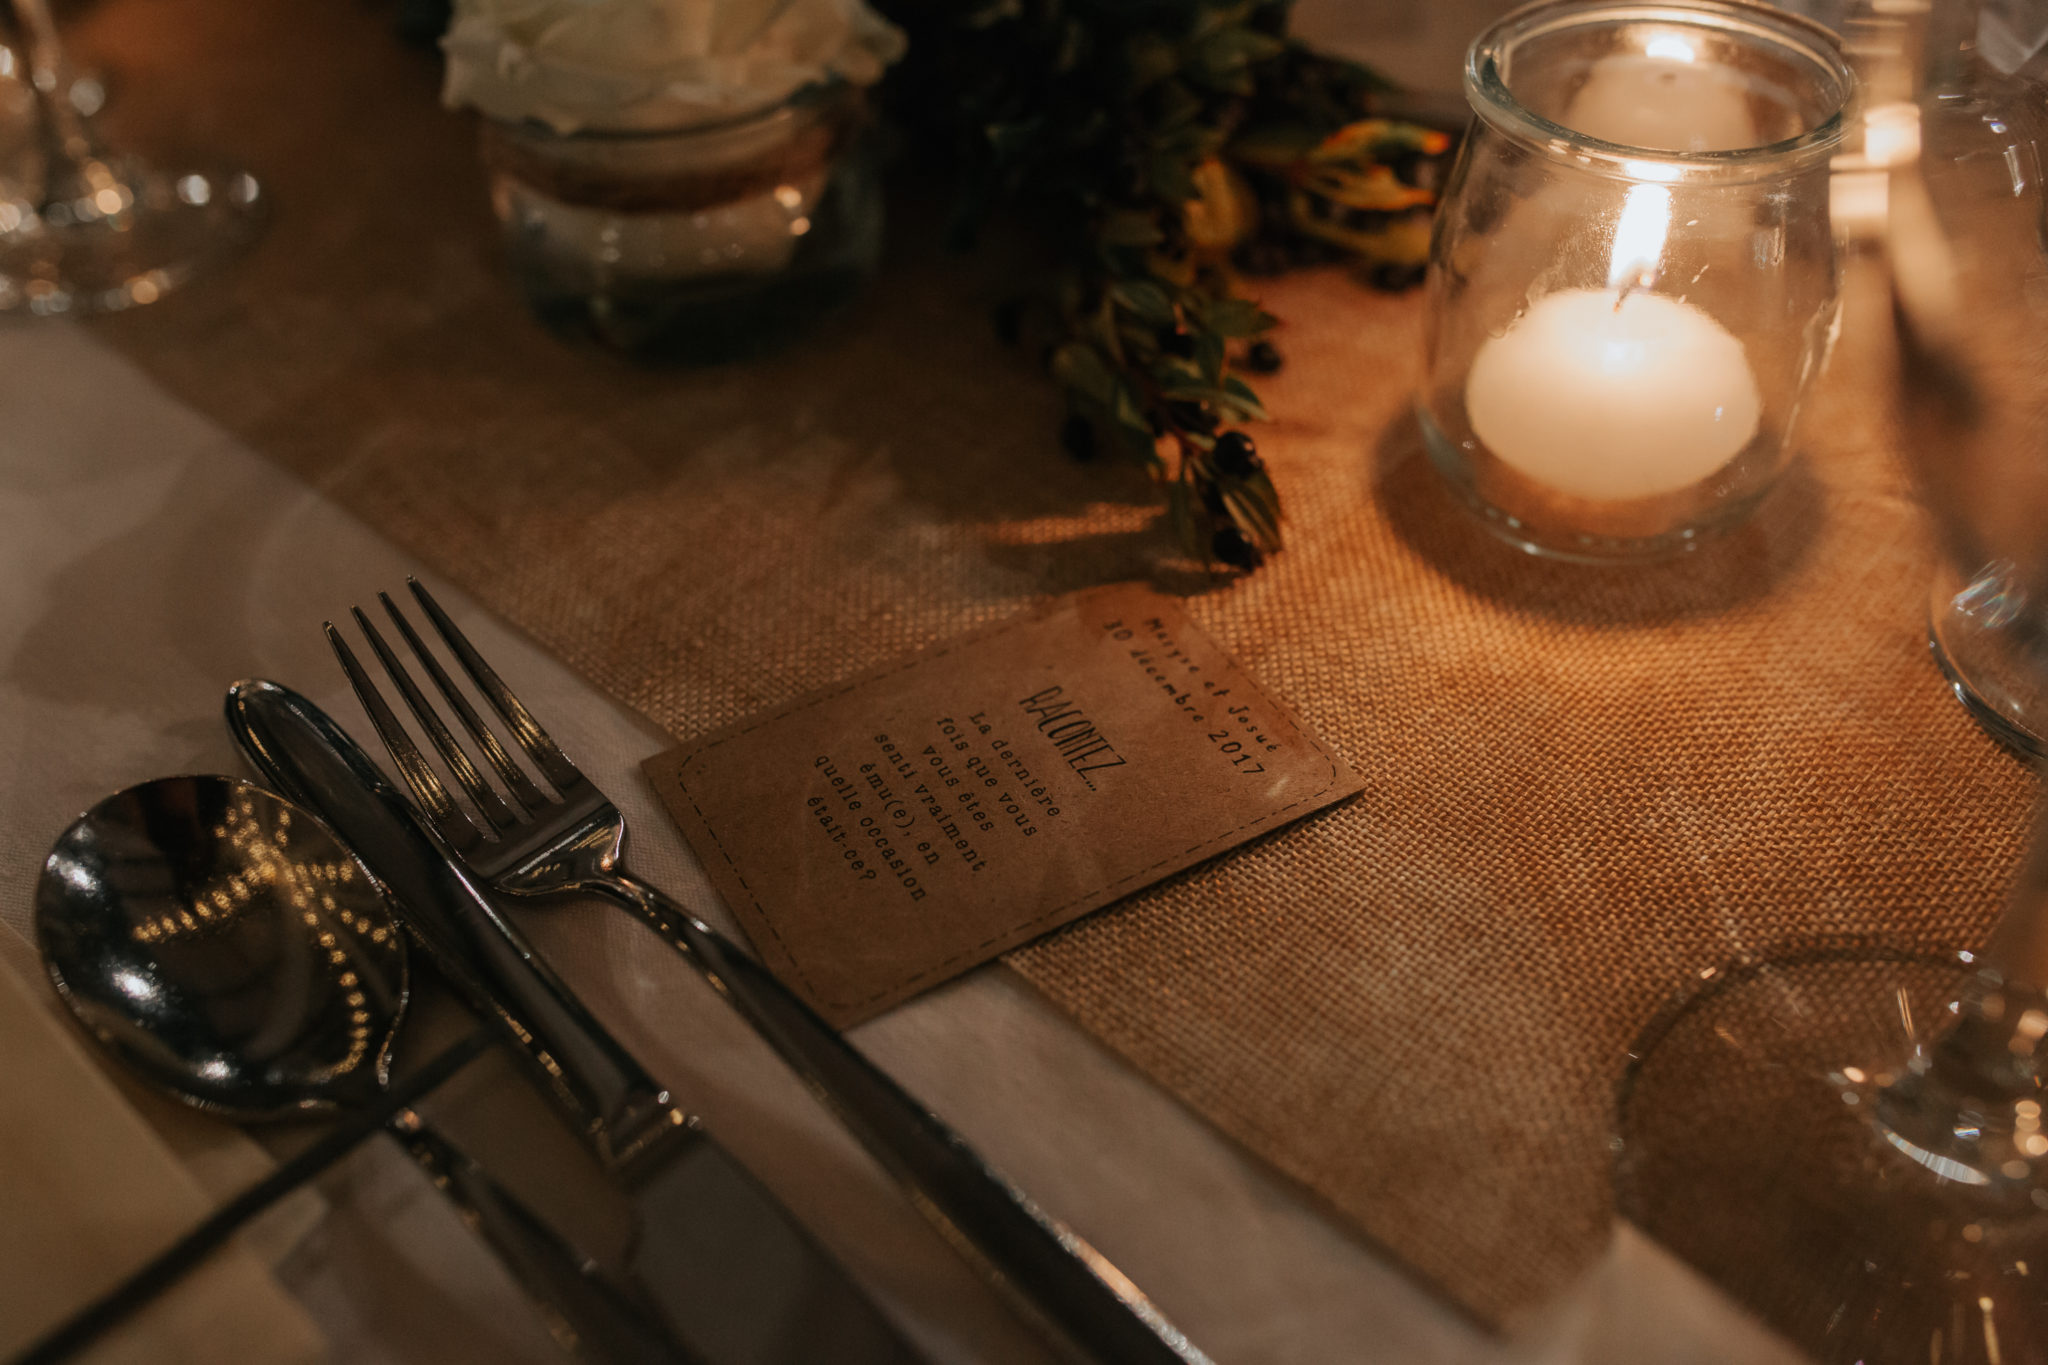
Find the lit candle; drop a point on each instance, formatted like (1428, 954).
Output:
(1664, 98)
(1615, 394)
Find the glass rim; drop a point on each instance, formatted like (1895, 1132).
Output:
(812, 95)
(1492, 101)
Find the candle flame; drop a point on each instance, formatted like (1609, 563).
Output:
(1671, 48)
(1891, 134)
(1639, 238)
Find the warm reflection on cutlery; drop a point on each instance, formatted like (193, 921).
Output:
(227, 948)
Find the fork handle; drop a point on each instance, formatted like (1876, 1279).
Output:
(1056, 1281)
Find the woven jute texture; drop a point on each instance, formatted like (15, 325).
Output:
(1582, 785)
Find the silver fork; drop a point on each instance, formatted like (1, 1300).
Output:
(532, 844)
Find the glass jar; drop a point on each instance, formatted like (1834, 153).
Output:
(1632, 280)
(704, 242)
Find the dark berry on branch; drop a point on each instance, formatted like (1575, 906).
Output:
(1306, 251)
(1179, 342)
(1223, 110)
(1129, 178)
(1077, 434)
(1009, 321)
(1260, 258)
(1236, 456)
(1406, 166)
(1263, 358)
(1235, 548)
(1395, 278)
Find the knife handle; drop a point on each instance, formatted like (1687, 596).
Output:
(591, 1317)
(1057, 1282)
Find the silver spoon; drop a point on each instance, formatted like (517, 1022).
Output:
(223, 944)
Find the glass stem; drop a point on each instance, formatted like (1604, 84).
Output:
(1968, 1105)
(73, 165)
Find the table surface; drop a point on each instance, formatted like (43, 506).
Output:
(152, 559)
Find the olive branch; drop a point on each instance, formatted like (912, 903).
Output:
(1170, 149)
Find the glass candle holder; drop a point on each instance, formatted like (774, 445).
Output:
(703, 242)
(1632, 280)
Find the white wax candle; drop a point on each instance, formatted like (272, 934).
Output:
(1613, 403)
(1664, 102)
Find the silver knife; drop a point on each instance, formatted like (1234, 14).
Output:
(732, 1273)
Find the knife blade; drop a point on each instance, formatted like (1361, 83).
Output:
(734, 1275)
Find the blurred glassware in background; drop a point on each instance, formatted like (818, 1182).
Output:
(678, 190)
(1968, 239)
(21, 121)
(700, 241)
(1852, 1136)
(84, 229)
(17, 104)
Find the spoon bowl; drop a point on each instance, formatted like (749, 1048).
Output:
(226, 946)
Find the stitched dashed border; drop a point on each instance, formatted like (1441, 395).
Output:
(1107, 893)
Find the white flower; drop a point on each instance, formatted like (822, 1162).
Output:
(619, 64)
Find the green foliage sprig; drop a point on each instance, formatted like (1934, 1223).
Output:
(1169, 148)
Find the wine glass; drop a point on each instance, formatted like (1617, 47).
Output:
(1984, 128)
(1852, 1135)
(89, 230)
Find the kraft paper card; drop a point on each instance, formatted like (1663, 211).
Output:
(885, 835)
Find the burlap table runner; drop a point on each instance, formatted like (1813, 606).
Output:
(1581, 785)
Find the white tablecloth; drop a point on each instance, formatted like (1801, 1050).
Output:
(149, 560)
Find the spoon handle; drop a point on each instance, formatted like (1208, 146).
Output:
(170, 1265)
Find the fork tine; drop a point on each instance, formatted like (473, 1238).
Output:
(440, 808)
(526, 731)
(522, 787)
(493, 807)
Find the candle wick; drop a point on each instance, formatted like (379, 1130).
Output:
(1641, 279)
